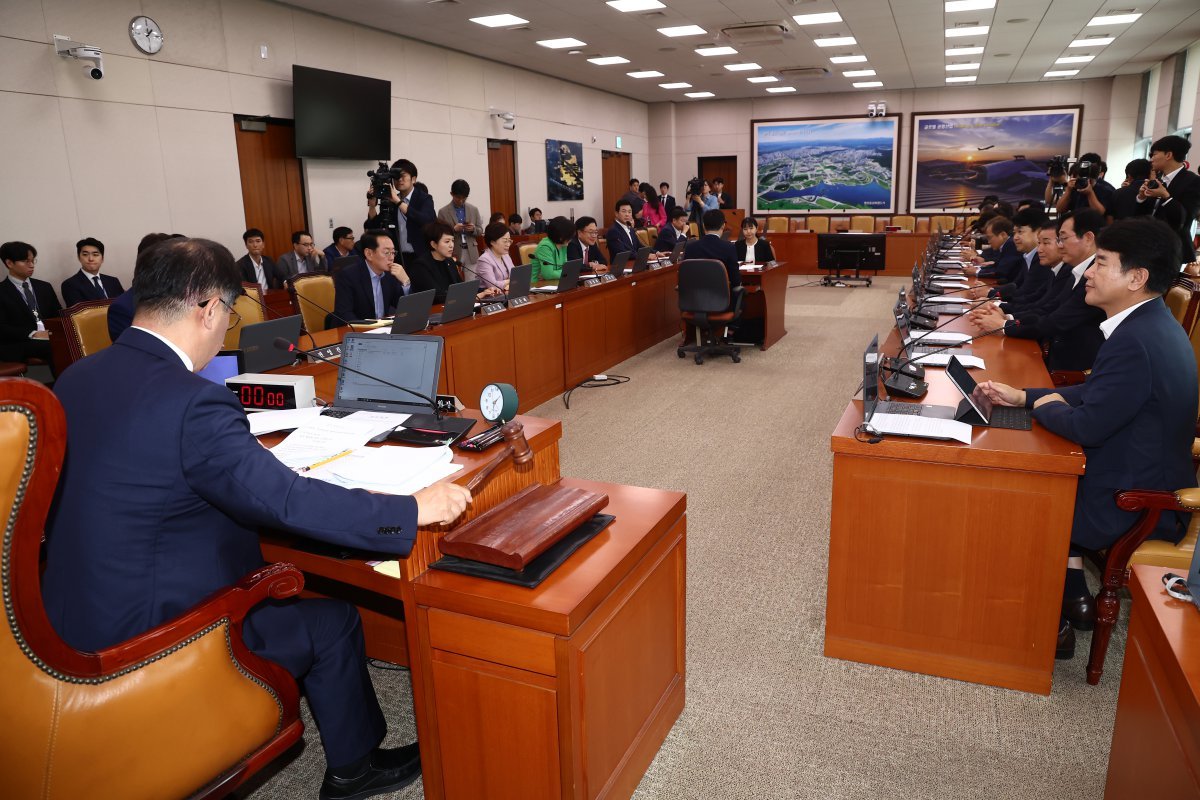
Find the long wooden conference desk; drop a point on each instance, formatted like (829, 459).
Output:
(949, 559)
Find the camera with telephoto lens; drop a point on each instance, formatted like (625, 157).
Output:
(381, 180)
(1057, 167)
(1086, 173)
(695, 186)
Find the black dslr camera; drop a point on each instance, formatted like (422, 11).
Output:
(1057, 167)
(695, 186)
(1085, 172)
(381, 180)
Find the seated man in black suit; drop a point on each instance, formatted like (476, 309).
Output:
(1001, 260)
(621, 237)
(370, 289)
(1135, 415)
(1175, 196)
(1048, 276)
(256, 267)
(1025, 227)
(88, 283)
(583, 246)
(711, 245)
(676, 232)
(302, 258)
(25, 302)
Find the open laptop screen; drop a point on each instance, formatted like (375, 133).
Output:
(870, 388)
(224, 365)
(413, 362)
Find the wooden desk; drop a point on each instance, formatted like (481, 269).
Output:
(1156, 739)
(566, 690)
(800, 251)
(949, 559)
(766, 299)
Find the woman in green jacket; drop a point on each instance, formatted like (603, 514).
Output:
(551, 252)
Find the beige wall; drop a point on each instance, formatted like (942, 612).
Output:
(151, 146)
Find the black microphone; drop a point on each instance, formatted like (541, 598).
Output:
(971, 307)
(284, 344)
(977, 336)
(303, 299)
(268, 310)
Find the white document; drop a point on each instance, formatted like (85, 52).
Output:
(951, 298)
(906, 425)
(326, 437)
(942, 359)
(939, 337)
(950, 279)
(390, 470)
(270, 421)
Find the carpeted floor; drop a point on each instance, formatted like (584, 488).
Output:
(768, 716)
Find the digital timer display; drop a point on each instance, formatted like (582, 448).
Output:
(258, 397)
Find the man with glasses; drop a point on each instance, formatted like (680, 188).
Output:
(302, 259)
(370, 289)
(164, 491)
(583, 246)
(343, 245)
(25, 304)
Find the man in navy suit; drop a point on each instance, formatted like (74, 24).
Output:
(1025, 227)
(1048, 274)
(164, 490)
(583, 246)
(371, 289)
(621, 237)
(404, 214)
(1135, 416)
(672, 234)
(1007, 265)
(1175, 198)
(711, 245)
(25, 302)
(88, 283)
(665, 197)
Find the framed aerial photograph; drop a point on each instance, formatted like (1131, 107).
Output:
(825, 165)
(958, 159)
(564, 170)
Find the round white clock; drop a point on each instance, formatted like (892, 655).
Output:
(145, 35)
(498, 402)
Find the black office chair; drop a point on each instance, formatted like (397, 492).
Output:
(706, 303)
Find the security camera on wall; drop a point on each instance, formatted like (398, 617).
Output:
(92, 58)
(507, 118)
(871, 109)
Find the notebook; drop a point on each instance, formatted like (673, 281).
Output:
(257, 343)
(566, 282)
(412, 312)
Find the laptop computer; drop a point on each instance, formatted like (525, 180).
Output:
(873, 405)
(677, 251)
(518, 282)
(341, 263)
(409, 362)
(977, 409)
(617, 268)
(460, 302)
(224, 365)
(566, 282)
(257, 343)
(640, 262)
(412, 312)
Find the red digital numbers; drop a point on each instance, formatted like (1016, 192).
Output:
(261, 397)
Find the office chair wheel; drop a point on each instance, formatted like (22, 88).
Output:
(737, 359)
(699, 359)
(679, 352)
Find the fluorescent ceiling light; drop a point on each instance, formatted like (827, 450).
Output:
(964, 51)
(634, 5)
(781, 89)
(859, 73)
(1073, 59)
(1061, 73)
(716, 51)
(1112, 19)
(764, 79)
(868, 84)
(742, 67)
(500, 21)
(956, 33)
(961, 79)
(604, 61)
(969, 5)
(1096, 41)
(646, 73)
(699, 94)
(683, 30)
(834, 41)
(559, 44)
(817, 19)
(675, 85)
(848, 59)
(961, 67)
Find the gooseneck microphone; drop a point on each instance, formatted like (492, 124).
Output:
(268, 311)
(974, 338)
(303, 299)
(284, 344)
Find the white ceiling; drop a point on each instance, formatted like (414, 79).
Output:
(904, 40)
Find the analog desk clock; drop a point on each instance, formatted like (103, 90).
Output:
(498, 402)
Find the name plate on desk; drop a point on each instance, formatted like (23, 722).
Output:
(591, 281)
(607, 278)
(331, 352)
(492, 308)
(514, 302)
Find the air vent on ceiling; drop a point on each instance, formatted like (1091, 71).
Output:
(757, 33)
(443, 2)
(803, 73)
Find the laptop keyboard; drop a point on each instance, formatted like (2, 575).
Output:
(1011, 417)
(903, 409)
(337, 412)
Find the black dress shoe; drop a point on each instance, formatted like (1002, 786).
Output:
(389, 771)
(1065, 649)
(1080, 612)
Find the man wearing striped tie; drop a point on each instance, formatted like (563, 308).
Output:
(25, 303)
(88, 283)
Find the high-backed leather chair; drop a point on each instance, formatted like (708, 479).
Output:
(797, 224)
(182, 711)
(249, 307)
(1183, 298)
(943, 221)
(707, 304)
(905, 222)
(922, 225)
(526, 251)
(86, 327)
(319, 288)
(818, 224)
(777, 224)
(644, 237)
(652, 232)
(881, 224)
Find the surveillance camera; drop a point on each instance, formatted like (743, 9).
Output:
(881, 109)
(510, 125)
(93, 59)
(95, 72)
(870, 109)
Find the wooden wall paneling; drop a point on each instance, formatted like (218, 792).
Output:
(621, 326)
(272, 187)
(477, 356)
(538, 339)
(616, 167)
(710, 167)
(502, 176)
(586, 352)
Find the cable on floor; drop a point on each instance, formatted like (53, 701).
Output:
(594, 382)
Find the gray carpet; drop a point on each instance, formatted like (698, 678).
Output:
(768, 716)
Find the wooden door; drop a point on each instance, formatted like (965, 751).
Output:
(712, 167)
(272, 189)
(616, 181)
(502, 176)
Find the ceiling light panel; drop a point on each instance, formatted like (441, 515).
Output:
(716, 51)
(818, 19)
(1073, 59)
(604, 61)
(834, 41)
(848, 59)
(1061, 73)
(749, 65)
(500, 21)
(699, 94)
(675, 85)
(635, 5)
(646, 73)
(1112, 19)
(957, 33)
(683, 30)
(867, 84)
(559, 44)
(780, 89)
(964, 51)
(961, 79)
(1095, 41)
(961, 67)
(763, 79)
(859, 73)
(969, 5)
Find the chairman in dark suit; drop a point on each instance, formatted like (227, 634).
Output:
(256, 267)
(1176, 198)
(25, 303)
(164, 490)
(1135, 415)
(88, 283)
(371, 289)
(711, 245)
(404, 214)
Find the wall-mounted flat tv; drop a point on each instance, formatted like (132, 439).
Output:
(341, 116)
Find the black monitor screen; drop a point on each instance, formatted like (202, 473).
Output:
(846, 251)
(341, 116)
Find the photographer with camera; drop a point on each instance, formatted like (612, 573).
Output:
(1084, 189)
(698, 200)
(1174, 194)
(401, 207)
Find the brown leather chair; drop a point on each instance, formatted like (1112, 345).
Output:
(182, 711)
(797, 224)
(818, 224)
(881, 224)
(922, 225)
(943, 221)
(1183, 298)
(644, 237)
(652, 232)
(249, 308)
(905, 222)
(777, 224)
(707, 304)
(85, 326)
(526, 251)
(862, 223)
(319, 288)
(12, 369)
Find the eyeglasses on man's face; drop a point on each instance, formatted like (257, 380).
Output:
(234, 317)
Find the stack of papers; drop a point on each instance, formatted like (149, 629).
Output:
(939, 337)
(923, 427)
(389, 470)
(321, 438)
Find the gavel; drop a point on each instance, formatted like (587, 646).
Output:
(517, 446)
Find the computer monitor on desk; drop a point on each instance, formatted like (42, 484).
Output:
(839, 252)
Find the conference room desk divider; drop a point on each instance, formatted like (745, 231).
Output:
(800, 251)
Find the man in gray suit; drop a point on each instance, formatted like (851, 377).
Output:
(465, 220)
(302, 258)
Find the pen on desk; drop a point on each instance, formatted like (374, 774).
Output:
(325, 461)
